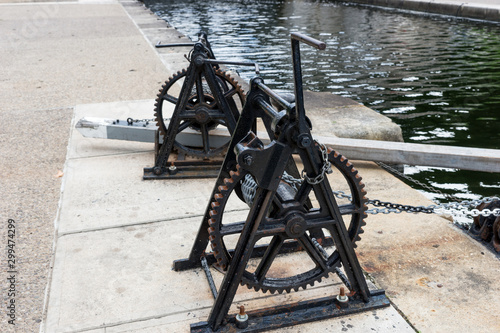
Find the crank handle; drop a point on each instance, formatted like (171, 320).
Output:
(308, 40)
(159, 45)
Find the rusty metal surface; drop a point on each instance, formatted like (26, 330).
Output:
(486, 229)
(297, 313)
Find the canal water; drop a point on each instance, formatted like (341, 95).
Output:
(437, 77)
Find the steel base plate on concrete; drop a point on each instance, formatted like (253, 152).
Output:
(294, 314)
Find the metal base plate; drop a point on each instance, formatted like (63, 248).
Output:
(298, 313)
(186, 169)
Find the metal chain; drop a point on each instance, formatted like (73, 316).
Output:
(290, 180)
(419, 183)
(461, 207)
(326, 168)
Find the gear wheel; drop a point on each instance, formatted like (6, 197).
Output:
(202, 113)
(288, 219)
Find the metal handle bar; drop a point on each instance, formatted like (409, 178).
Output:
(172, 45)
(308, 40)
(299, 113)
(237, 63)
(269, 92)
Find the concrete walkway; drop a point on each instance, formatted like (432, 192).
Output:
(488, 10)
(116, 235)
(54, 56)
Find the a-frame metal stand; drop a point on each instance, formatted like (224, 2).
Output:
(208, 98)
(295, 223)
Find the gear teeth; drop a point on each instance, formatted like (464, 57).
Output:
(355, 230)
(223, 188)
(217, 205)
(228, 181)
(235, 173)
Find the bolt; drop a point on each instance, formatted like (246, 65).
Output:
(172, 169)
(304, 140)
(157, 171)
(342, 298)
(248, 159)
(242, 318)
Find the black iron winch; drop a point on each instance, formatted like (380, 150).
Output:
(282, 216)
(209, 99)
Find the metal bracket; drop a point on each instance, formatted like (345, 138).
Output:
(297, 313)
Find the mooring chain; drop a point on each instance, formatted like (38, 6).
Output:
(389, 207)
(414, 181)
(325, 169)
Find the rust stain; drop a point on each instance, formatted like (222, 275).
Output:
(423, 282)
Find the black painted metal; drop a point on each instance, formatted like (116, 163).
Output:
(290, 134)
(159, 46)
(202, 65)
(298, 313)
(258, 251)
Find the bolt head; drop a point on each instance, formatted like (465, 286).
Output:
(304, 141)
(248, 159)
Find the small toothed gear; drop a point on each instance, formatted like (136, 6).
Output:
(202, 112)
(287, 220)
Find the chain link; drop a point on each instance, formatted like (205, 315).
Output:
(325, 169)
(458, 207)
(417, 182)
(290, 180)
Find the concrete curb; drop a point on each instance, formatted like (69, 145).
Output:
(478, 11)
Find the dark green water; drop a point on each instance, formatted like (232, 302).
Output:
(437, 77)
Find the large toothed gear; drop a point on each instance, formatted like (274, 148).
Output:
(202, 112)
(288, 219)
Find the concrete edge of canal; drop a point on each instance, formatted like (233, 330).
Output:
(478, 10)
